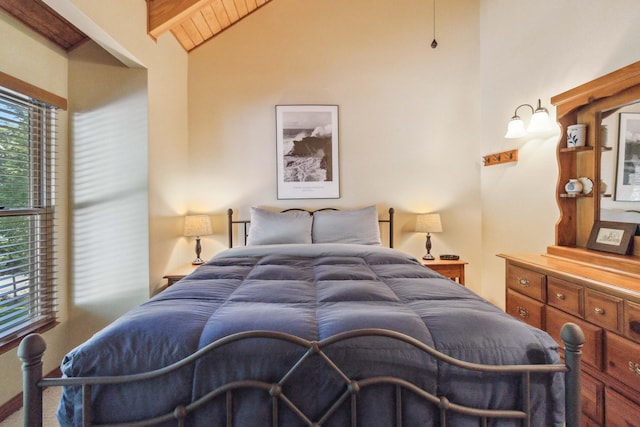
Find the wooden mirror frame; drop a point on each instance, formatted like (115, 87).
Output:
(587, 103)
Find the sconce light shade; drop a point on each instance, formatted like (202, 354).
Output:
(515, 129)
(197, 225)
(540, 123)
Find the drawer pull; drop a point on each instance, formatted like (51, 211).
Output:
(598, 310)
(635, 368)
(522, 312)
(560, 296)
(523, 281)
(634, 325)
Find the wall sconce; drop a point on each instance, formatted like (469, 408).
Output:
(428, 223)
(540, 123)
(197, 225)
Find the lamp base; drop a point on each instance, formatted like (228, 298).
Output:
(428, 257)
(197, 261)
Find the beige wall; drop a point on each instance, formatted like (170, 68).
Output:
(534, 50)
(409, 115)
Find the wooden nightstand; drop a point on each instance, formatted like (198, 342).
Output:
(451, 269)
(179, 273)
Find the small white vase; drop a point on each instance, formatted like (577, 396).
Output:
(573, 186)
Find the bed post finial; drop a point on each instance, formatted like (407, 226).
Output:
(230, 226)
(30, 353)
(573, 339)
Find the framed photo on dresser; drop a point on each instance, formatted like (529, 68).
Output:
(307, 151)
(614, 237)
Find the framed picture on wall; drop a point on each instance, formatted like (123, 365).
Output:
(307, 151)
(628, 170)
(614, 237)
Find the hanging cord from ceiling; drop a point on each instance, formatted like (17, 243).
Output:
(434, 43)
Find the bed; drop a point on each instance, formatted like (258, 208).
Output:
(313, 322)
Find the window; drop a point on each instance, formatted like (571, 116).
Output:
(27, 201)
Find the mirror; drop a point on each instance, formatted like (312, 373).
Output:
(620, 164)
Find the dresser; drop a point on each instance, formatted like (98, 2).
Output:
(588, 289)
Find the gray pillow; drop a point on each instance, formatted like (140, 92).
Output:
(355, 226)
(270, 228)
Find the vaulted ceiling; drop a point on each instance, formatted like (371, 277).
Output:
(193, 22)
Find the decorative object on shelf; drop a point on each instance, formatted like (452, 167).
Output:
(603, 187)
(627, 188)
(197, 225)
(501, 157)
(576, 135)
(307, 151)
(614, 237)
(587, 185)
(540, 125)
(428, 223)
(574, 186)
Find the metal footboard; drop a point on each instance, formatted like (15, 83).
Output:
(33, 346)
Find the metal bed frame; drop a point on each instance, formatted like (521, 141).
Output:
(244, 223)
(33, 346)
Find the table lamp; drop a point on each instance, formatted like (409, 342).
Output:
(197, 225)
(428, 223)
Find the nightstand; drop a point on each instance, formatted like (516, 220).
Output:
(179, 273)
(451, 269)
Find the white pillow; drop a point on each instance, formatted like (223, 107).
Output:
(356, 226)
(269, 228)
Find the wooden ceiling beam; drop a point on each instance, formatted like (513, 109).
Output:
(164, 14)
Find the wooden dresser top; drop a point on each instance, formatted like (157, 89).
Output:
(588, 269)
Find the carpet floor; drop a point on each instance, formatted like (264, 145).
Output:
(50, 399)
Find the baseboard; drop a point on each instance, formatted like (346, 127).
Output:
(15, 403)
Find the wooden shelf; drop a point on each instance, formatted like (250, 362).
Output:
(575, 196)
(575, 149)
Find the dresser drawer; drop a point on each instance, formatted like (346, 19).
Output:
(604, 310)
(526, 309)
(592, 398)
(566, 296)
(623, 360)
(620, 410)
(592, 352)
(527, 282)
(632, 320)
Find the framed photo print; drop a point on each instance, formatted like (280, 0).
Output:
(307, 151)
(628, 170)
(614, 237)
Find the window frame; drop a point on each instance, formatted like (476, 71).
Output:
(42, 210)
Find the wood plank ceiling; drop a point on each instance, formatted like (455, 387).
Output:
(193, 22)
(36, 15)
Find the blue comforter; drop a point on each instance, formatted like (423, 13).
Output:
(312, 291)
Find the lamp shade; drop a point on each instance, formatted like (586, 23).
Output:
(429, 223)
(197, 225)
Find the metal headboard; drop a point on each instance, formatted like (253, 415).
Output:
(245, 222)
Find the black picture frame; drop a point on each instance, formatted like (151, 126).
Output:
(307, 152)
(612, 237)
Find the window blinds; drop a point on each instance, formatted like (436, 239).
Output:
(27, 221)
